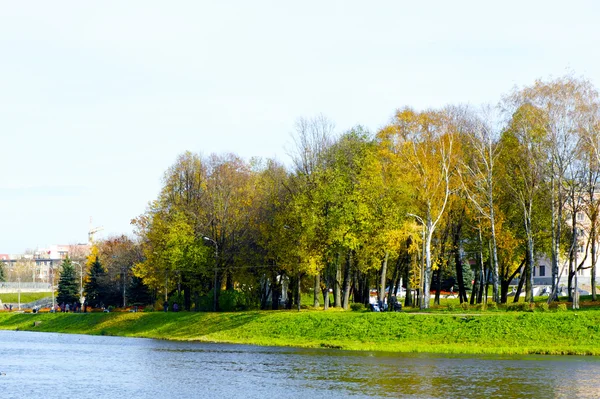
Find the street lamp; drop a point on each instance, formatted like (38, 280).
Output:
(216, 264)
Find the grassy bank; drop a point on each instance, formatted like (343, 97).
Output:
(26, 297)
(490, 332)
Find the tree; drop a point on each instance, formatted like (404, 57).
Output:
(524, 142)
(2, 271)
(477, 170)
(309, 205)
(94, 286)
(68, 288)
(118, 255)
(424, 143)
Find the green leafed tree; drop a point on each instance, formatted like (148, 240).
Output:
(93, 287)
(68, 289)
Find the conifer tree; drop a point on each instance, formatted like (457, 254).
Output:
(67, 285)
(93, 287)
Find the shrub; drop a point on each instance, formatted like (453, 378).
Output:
(204, 303)
(356, 307)
(492, 306)
(562, 307)
(231, 300)
(464, 306)
(519, 307)
(450, 307)
(176, 298)
(480, 307)
(542, 307)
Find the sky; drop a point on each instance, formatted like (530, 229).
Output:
(97, 99)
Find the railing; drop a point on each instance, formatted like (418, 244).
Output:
(8, 287)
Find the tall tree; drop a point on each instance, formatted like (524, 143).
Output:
(477, 171)
(424, 142)
(68, 289)
(94, 286)
(525, 144)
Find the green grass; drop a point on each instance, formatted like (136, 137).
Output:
(443, 332)
(26, 297)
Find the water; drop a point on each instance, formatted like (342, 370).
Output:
(47, 365)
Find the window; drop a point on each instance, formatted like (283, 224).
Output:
(542, 271)
(534, 271)
(580, 216)
(580, 249)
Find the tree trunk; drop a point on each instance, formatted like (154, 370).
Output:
(317, 290)
(298, 292)
(494, 256)
(438, 287)
(265, 290)
(556, 233)
(326, 285)
(522, 279)
(347, 281)
(382, 280)
(475, 288)
(229, 280)
(408, 298)
(337, 288)
(275, 291)
(187, 293)
(530, 264)
(291, 293)
(425, 297)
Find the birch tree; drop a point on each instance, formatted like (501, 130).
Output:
(477, 171)
(424, 142)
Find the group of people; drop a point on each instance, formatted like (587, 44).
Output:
(74, 307)
(382, 306)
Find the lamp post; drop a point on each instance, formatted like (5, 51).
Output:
(216, 264)
(422, 269)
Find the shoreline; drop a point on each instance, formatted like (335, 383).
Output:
(502, 333)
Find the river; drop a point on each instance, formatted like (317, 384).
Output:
(45, 365)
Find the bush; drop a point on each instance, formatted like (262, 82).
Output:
(520, 307)
(178, 299)
(232, 300)
(561, 307)
(480, 307)
(492, 306)
(204, 303)
(464, 306)
(450, 307)
(542, 307)
(357, 307)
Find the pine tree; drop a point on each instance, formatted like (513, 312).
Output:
(95, 293)
(67, 284)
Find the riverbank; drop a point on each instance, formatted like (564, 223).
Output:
(486, 333)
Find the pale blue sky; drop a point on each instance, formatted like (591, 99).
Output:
(98, 98)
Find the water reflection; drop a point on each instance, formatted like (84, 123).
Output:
(55, 365)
